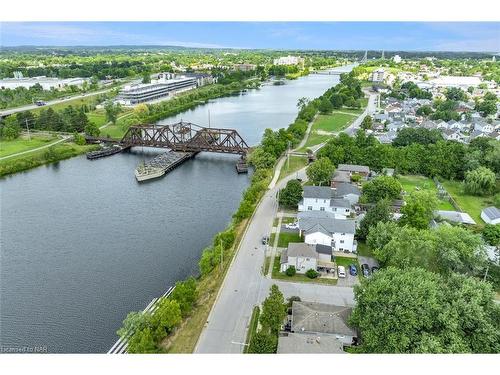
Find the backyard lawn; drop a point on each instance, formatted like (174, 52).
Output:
(364, 250)
(346, 261)
(469, 203)
(410, 183)
(286, 237)
(297, 278)
(315, 139)
(23, 144)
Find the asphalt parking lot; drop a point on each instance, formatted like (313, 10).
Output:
(368, 260)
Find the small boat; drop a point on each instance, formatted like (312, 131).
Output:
(146, 172)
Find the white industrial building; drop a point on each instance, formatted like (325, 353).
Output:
(451, 81)
(289, 60)
(162, 87)
(47, 83)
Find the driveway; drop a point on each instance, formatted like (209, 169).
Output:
(372, 262)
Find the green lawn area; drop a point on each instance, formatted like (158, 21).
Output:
(88, 100)
(333, 123)
(297, 278)
(97, 117)
(469, 203)
(315, 139)
(411, 182)
(23, 144)
(296, 163)
(287, 237)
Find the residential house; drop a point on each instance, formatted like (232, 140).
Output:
(484, 127)
(321, 318)
(340, 177)
(452, 135)
(491, 215)
(301, 255)
(347, 191)
(324, 198)
(314, 343)
(334, 232)
(362, 170)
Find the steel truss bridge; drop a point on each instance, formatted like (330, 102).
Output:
(184, 137)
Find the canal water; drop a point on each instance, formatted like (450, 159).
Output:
(82, 243)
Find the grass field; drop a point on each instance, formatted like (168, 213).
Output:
(469, 203)
(296, 163)
(333, 123)
(98, 117)
(23, 144)
(346, 261)
(286, 237)
(315, 139)
(297, 278)
(410, 183)
(364, 250)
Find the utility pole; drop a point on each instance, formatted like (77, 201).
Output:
(288, 158)
(28, 128)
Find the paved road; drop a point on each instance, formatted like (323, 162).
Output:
(49, 103)
(245, 286)
(370, 109)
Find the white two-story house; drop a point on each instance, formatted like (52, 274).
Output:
(323, 229)
(324, 198)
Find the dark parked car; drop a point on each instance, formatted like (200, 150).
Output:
(365, 268)
(265, 240)
(353, 270)
(375, 269)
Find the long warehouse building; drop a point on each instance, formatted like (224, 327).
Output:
(132, 95)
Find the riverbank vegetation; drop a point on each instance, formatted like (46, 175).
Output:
(25, 143)
(48, 155)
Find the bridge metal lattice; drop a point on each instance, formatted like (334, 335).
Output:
(185, 137)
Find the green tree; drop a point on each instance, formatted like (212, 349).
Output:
(380, 234)
(325, 106)
(112, 111)
(337, 101)
(480, 181)
(142, 342)
(263, 343)
(291, 271)
(456, 94)
(166, 317)
(92, 130)
(273, 311)
(185, 294)
(135, 321)
(367, 122)
(380, 213)
(382, 187)
(320, 172)
(291, 195)
(10, 128)
(417, 311)
(419, 209)
(146, 77)
(491, 234)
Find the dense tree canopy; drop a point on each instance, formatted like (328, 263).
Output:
(419, 209)
(291, 195)
(320, 172)
(381, 187)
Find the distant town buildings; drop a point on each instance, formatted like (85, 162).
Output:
(47, 83)
(244, 67)
(289, 60)
(378, 75)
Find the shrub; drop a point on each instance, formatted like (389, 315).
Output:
(291, 271)
(312, 274)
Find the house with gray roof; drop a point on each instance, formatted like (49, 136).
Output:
(491, 215)
(324, 198)
(289, 343)
(300, 255)
(322, 318)
(333, 232)
(455, 217)
(363, 170)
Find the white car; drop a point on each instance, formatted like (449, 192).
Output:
(292, 226)
(341, 271)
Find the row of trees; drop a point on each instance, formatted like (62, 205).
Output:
(446, 159)
(147, 330)
(273, 313)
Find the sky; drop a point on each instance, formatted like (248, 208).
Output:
(406, 36)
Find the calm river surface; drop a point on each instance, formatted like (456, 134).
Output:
(82, 243)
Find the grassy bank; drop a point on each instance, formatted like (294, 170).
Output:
(22, 144)
(48, 155)
(296, 163)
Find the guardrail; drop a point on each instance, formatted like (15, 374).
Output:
(121, 345)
